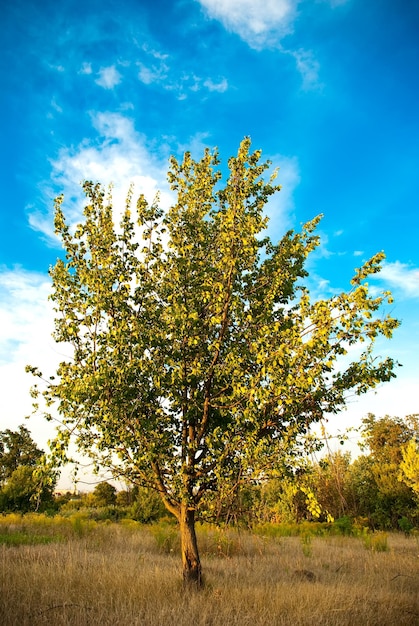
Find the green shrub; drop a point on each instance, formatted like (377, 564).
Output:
(343, 526)
(405, 525)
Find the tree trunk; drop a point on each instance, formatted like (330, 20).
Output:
(192, 573)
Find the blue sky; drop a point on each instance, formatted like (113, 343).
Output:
(329, 89)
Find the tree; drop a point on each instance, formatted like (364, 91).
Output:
(104, 494)
(386, 436)
(390, 498)
(23, 486)
(24, 491)
(409, 467)
(330, 481)
(198, 359)
(17, 448)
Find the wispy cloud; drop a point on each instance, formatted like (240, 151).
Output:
(308, 67)
(86, 68)
(154, 73)
(109, 77)
(156, 70)
(220, 86)
(400, 277)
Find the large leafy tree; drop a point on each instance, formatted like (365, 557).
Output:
(198, 357)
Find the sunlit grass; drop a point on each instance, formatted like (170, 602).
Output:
(128, 574)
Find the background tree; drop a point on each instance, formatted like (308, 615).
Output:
(104, 494)
(23, 486)
(377, 490)
(409, 466)
(330, 481)
(17, 448)
(147, 506)
(198, 358)
(26, 491)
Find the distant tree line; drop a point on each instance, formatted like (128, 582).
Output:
(378, 489)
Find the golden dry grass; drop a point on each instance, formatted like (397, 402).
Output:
(117, 575)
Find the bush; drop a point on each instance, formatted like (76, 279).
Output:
(147, 507)
(405, 525)
(343, 526)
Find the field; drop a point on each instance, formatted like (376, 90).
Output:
(76, 572)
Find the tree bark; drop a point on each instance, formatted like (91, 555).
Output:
(192, 572)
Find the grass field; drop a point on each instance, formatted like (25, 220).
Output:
(73, 571)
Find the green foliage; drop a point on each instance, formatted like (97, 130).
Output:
(25, 483)
(104, 494)
(405, 525)
(378, 490)
(199, 359)
(147, 507)
(343, 525)
(34, 528)
(22, 539)
(24, 492)
(370, 491)
(386, 436)
(17, 448)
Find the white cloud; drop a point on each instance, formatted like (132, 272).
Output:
(153, 74)
(26, 324)
(22, 298)
(258, 23)
(118, 155)
(400, 277)
(264, 25)
(221, 86)
(109, 77)
(86, 68)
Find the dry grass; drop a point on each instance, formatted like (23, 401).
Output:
(126, 575)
